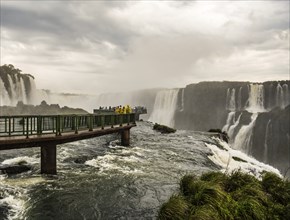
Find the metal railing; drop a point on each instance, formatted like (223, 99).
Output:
(57, 124)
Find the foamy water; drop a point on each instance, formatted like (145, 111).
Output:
(224, 158)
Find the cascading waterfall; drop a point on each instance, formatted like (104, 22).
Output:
(279, 95)
(13, 90)
(231, 101)
(266, 142)
(230, 121)
(239, 101)
(256, 98)
(182, 100)
(22, 91)
(243, 139)
(20, 88)
(4, 96)
(33, 93)
(286, 98)
(231, 129)
(164, 107)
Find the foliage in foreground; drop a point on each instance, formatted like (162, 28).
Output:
(237, 196)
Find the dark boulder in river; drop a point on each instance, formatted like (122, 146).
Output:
(14, 169)
(163, 129)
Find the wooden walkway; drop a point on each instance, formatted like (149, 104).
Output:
(49, 131)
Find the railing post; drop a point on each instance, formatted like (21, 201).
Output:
(39, 125)
(58, 132)
(112, 121)
(76, 124)
(90, 122)
(27, 127)
(23, 125)
(102, 121)
(121, 120)
(9, 126)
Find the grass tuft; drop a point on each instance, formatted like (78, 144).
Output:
(236, 196)
(176, 208)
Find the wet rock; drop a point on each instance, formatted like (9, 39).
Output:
(220, 134)
(81, 160)
(14, 169)
(163, 129)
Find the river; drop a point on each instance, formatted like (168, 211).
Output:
(99, 179)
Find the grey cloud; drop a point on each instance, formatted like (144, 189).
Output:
(117, 46)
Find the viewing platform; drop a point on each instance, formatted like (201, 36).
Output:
(47, 131)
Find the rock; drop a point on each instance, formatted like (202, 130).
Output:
(163, 129)
(14, 169)
(220, 134)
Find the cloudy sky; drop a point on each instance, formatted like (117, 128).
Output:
(97, 46)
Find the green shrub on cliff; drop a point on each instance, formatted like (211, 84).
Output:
(236, 196)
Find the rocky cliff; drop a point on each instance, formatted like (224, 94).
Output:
(256, 116)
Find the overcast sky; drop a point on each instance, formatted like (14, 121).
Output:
(97, 46)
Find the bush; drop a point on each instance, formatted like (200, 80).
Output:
(236, 196)
(176, 208)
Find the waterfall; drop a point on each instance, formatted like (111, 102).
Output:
(12, 89)
(23, 91)
(33, 94)
(164, 107)
(243, 139)
(230, 121)
(20, 88)
(256, 98)
(231, 129)
(182, 100)
(286, 98)
(266, 142)
(279, 95)
(231, 100)
(4, 96)
(240, 99)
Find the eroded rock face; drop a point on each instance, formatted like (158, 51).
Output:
(212, 104)
(271, 138)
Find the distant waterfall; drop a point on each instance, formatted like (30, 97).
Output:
(256, 98)
(231, 129)
(182, 100)
(285, 95)
(265, 157)
(164, 107)
(230, 121)
(279, 95)
(239, 101)
(18, 88)
(243, 139)
(231, 101)
(4, 96)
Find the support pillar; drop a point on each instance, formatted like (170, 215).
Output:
(125, 137)
(48, 159)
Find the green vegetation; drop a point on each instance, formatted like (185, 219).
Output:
(237, 196)
(163, 129)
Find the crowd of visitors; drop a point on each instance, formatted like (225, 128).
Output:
(124, 109)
